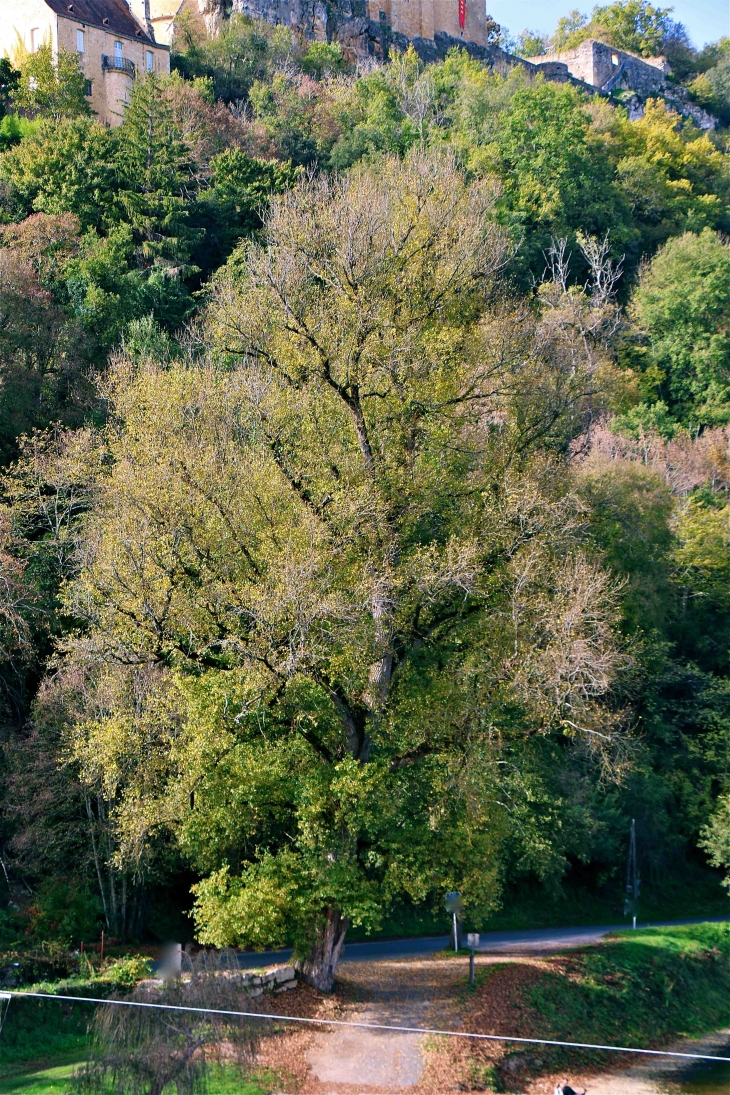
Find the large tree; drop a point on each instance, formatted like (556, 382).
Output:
(331, 571)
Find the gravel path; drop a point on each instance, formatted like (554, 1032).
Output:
(401, 992)
(429, 992)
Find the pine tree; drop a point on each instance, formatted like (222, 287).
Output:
(157, 179)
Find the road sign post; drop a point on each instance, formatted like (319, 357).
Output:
(454, 905)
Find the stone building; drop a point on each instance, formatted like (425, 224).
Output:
(609, 69)
(114, 41)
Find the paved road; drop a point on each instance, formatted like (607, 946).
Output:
(533, 940)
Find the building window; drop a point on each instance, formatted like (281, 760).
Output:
(34, 40)
(80, 43)
(150, 61)
(383, 17)
(117, 51)
(87, 89)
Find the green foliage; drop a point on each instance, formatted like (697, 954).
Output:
(245, 50)
(646, 419)
(128, 971)
(11, 928)
(711, 89)
(703, 534)
(51, 84)
(531, 43)
(716, 837)
(234, 205)
(64, 166)
(632, 25)
(682, 304)
(9, 78)
(555, 179)
(323, 59)
(154, 168)
(350, 799)
(65, 911)
(570, 31)
(13, 128)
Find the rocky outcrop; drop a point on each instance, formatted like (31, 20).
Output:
(593, 66)
(347, 22)
(313, 18)
(213, 12)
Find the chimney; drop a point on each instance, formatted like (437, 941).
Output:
(140, 9)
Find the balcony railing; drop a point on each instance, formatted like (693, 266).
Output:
(119, 64)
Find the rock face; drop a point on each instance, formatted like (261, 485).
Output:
(351, 23)
(369, 27)
(213, 12)
(345, 21)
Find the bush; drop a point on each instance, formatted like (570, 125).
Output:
(65, 912)
(13, 128)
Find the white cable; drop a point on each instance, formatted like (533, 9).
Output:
(373, 1026)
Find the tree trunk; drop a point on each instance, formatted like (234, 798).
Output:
(318, 969)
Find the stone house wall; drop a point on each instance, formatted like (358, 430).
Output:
(110, 86)
(19, 19)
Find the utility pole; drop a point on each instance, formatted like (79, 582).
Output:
(633, 882)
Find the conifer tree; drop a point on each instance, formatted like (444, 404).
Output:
(156, 177)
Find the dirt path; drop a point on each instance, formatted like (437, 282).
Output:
(429, 992)
(657, 1076)
(415, 992)
(407, 991)
(424, 992)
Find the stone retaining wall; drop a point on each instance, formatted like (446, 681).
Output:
(278, 979)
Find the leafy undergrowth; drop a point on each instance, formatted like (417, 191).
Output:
(637, 989)
(43, 1030)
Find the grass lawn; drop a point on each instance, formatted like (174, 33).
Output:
(57, 1081)
(641, 988)
(645, 988)
(44, 1081)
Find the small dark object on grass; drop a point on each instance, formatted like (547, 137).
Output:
(566, 1089)
(140, 1051)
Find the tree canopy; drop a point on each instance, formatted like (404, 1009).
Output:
(364, 494)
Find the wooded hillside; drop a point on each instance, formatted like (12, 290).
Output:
(365, 530)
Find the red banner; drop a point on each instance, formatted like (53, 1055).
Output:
(462, 13)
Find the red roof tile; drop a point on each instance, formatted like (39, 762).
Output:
(111, 15)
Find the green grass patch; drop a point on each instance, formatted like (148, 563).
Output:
(43, 1030)
(44, 1081)
(641, 988)
(638, 989)
(46, 1030)
(58, 1080)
